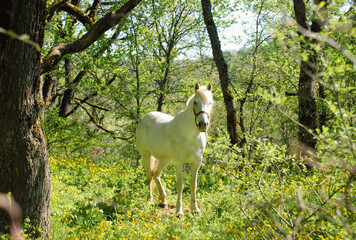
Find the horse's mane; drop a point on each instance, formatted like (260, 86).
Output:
(201, 93)
(190, 99)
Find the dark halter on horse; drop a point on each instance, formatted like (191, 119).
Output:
(197, 114)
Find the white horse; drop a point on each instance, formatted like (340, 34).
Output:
(162, 139)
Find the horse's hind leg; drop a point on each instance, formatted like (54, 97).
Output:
(156, 176)
(180, 186)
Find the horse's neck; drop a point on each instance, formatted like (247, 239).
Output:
(186, 120)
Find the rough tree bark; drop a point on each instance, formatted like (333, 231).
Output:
(308, 114)
(24, 167)
(223, 72)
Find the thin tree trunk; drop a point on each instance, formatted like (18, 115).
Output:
(322, 107)
(308, 114)
(164, 81)
(307, 106)
(223, 72)
(24, 168)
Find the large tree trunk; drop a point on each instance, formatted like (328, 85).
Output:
(24, 168)
(223, 72)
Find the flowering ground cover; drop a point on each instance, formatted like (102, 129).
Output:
(269, 196)
(101, 200)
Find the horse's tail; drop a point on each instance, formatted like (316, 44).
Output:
(152, 167)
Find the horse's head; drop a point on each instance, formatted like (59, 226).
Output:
(202, 105)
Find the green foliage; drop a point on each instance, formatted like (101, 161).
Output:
(264, 196)
(259, 190)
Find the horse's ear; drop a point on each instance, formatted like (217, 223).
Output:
(210, 87)
(196, 86)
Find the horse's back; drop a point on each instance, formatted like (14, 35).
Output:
(156, 118)
(153, 119)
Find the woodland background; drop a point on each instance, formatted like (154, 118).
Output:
(288, 169)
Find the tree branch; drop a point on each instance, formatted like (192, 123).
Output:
(94, 9)
(268, 201)
(258, 229)
(81, 101)
(99, 28)
(99, 126)
(92, 118)
(52, 9)
(76, 12)
(89, 96)
(331, 42)
(93, 105)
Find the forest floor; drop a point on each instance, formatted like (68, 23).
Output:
(108, 200)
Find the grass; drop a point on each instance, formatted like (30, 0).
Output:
(272, 199)
(101, 201)
(108, 201)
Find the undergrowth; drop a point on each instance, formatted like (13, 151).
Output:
(273, 198)
(269, 195)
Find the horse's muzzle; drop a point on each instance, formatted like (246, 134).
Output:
(203, 126)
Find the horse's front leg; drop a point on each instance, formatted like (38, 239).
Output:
(193, 186)
(180, 186)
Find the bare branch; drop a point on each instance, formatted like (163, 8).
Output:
(258, 229)
(107, 3)
(323, 204)
(99, 126)
(79, 77)
(278, 225)
(93, 105)
(89, 96)
(81, 101)
(94, 9)
(299, 219)
(327, 86)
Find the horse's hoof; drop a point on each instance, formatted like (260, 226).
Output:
(163, 205)
(180, 214)
(196, 211)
